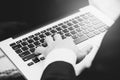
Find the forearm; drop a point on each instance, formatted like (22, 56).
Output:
(65, 55)
(59, 65)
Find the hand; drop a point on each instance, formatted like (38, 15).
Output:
(68, 44)
(60, 43)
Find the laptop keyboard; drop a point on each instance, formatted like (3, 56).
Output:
(80, 28)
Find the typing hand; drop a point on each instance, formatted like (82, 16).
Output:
(59, 43)
(62, 43)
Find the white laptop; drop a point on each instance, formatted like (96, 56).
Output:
(87, 26)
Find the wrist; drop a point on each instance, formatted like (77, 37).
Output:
(65, 55)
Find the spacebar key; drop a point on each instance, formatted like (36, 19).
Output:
(80, 39)
(28, 57)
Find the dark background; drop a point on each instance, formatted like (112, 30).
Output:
(18, 16)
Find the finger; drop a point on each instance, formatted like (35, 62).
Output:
(57, 37)
(49, 40)
(39, 50)
(69, 39)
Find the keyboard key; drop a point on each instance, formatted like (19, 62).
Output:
(53, 31)
(32, 50)
(41, 35)
(69, 24)
(42, 58)
(55, 26)
(37, 34)
(24, 48)
(35, 60)
(31, 46)
(42, 40)
(91, 34)
(96, 21)
(47, 33)
(26, 58)
(85, 31)
(13, 44)
(102, 29)
(76, 26)
(63, 36)
(24, 43)
(74, 21)
(64, 26)
(30, 41)
(65, 31)
(89, 14)
(75, 36)
(80, 19)
(78, 30)
(38, 55)
(31, 36)
(81, 24)
(90, 29)
(98, 26)
(58, 28)
(30, 64)
(44, 45)
(80, 39)
(16, 46)
(25, 39)
(97, 32)
(43, 31)
(24, 54)
(37, 43)
(60, 32)
(77, 17)
(18, 42)
(36, 38)
(84, 17)
(84, 27)
(80, 34)
(68, 34)
(71, 28)
(49, 29)
(18, 51)
(60, 24)
(86, 22)
(73, 32)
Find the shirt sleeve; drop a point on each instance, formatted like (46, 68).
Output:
(61, 54)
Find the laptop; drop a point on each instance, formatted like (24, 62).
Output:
(87, 26)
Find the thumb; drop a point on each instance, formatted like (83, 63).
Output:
(83, 52)
(86, 62)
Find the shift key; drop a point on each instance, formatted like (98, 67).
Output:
(24, 54)
(29, 57)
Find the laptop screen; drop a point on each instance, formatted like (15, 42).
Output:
(17, 17)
